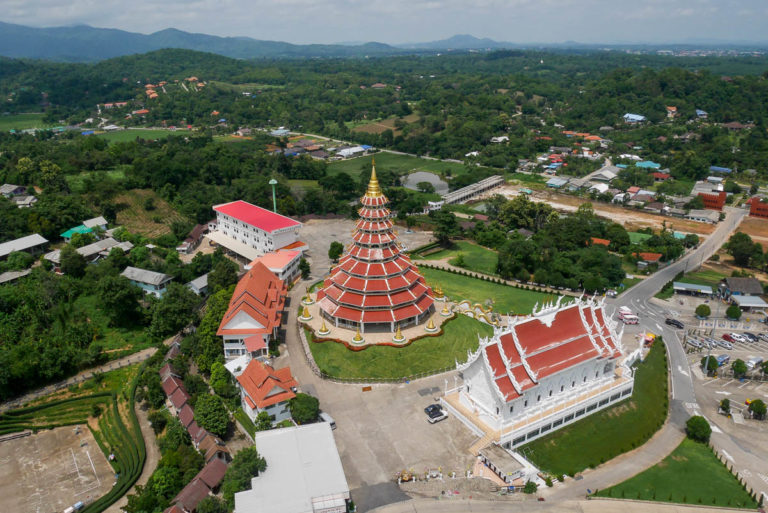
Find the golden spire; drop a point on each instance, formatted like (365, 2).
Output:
(323, 328)
(399, 334)
(445, 309)
(430, 324)
(305, 313)
(357, 338)
(373, 186)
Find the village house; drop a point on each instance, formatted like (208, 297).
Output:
(262, 388)
(284, 264)
(32, 244)
(150, 282)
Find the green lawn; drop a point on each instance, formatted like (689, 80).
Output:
(506, 299)
(704, 277)
(245, 421)
(402, 164)
(22, 122)
(387, 362)
(476, 258)
(610, 432)
(637, 238)
(628, 284)
(144, 133)
(690, 475)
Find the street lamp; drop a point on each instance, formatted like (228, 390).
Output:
(273, 182)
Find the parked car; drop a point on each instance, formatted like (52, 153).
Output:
(763, 337)
(436, 415)
(324, 417)
(695, 343)
(753, 362)
(674, 322)
(738, 337)
(432, 408)
(723, 359)
(728, 338)
(724, 344)
(751, 336)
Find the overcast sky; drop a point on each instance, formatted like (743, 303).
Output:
(400, 21)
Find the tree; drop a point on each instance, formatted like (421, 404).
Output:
(446, 226)
(246, 465)
(335, 251)
(703, 310)
(709, 364)
(459, 261)
(263, 421)
(212, 504)
(221, 380)
(119, 299)
(530, 487)
(166, 481)
(697, 428)
(739, 368)
(733, 312)
(304, 408)
(425, 187)
(175, 310)
(304, 268)
(211, 414)
(743, 249)
(223, 275)
(725, 405)
(72, 262)
(758, 409)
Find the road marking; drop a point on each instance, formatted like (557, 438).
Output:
(681, 371)
(659, 327)
(745, 384)
(725, 453)
(75, 461)
(763, 477)
(731, 381)
(723, 392)
(691, 406)
(93, 467)
(746, 473)
(709, 382)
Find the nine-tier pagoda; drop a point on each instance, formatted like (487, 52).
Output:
(375, 287)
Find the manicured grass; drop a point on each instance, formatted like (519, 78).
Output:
(636, 237)
(385, 362)
(692, 474)
(143, 133)
(245, 421)
(22, 122)
(704, 277)
(610, 432)
(506, 299)
(476, 258)
(401, 164)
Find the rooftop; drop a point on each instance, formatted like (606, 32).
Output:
(256, 216)
(277, 260)
(145, 276)
(21, 244)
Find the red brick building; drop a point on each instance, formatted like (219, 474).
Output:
(714, 200)
(758, 207)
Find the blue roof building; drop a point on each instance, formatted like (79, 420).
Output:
(556, 183)
(647, 164)
(718, 169)
(633, 118)
(701, 114)
(281, 132)
(82, 229)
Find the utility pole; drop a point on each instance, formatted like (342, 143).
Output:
(273, 182)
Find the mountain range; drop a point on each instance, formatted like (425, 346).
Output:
(82, 43)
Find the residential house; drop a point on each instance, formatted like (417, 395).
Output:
(178, 399)
(720, 169)
(595, 241)
(193, 239)
(703, 216)
(646, 259)
(500, 139)
(633, 118)
(701, 114)
(660, 177)
(304, 473)
(199, 285)
(96, 222)
(191, 495)
(92, 252)
(671, 111)
(262, 388)
(656, 207)
(213, 449)
(353, 151)
(81, 229)
(24, 201)
(213, 473)
(740, 287)
(254, 314)
(11, 276)
(150, 282)
(32, 244)
(9, 190)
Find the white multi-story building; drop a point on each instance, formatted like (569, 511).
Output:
(252, 231)
(543, 372)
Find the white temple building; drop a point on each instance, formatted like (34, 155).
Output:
(542, 372)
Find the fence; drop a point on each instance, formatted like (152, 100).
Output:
(358, 381)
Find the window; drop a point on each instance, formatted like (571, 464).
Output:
(526, 403)
(550, 393)
(518, 440)
(557, 422)
(568, 418)
(591, 407)
(562, 387)
(626, 392)
(497, 410)
(573, 384)
(533, 433)
(538, 398)
(580, 412)
(546, 428)
(597, 373)
(603, 402)
(511, 409)
(585, 379)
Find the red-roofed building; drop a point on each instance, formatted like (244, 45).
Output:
(250, 231)
(646, 259)
(758, 207)
(255, 310)
(262, 388)
(179, 398)
(660, 177)
(545, 371)
(375, 285)
(191, 495)
(213, 472)
(713, 200)
(284, 264)
(594, 241)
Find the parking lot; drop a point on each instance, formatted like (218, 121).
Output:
(701, 342)
(52, 470)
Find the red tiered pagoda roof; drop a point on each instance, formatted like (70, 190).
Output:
(374, 282)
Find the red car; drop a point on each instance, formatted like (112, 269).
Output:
(728, 338)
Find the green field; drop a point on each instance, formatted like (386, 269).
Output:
(76, 182)
(400, 164)
(506, 299)
(143, 133)
(245, 421)
(118, 341)
(303, 186)
(386, 362)
(610, 432)
(692, 474)
(476, 258)
(637, 238)
(22, 122)
(704, 277)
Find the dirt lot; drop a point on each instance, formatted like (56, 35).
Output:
(378, 127)
(631, 219)
(52, 470)
(757, 229)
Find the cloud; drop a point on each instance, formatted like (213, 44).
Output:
(396, 21)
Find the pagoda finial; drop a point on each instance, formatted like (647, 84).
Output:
(373, 185)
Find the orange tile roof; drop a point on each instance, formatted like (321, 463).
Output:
(648, 257)
(261, 296)
(294, 245)
(277, 260)
(600, 242)
(265, 386)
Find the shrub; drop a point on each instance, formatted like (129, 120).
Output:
(697, 428)
(733, 312)
(530, 487)
(703, 310)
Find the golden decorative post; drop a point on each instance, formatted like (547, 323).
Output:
(324, 329)
(431, 328)
(358, 338)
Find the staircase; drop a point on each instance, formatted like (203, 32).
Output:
(485, 440)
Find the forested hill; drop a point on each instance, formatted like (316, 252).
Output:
(83, 43)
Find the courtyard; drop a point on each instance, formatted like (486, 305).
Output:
(52, 470)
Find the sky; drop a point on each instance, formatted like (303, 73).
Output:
(404, 21)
